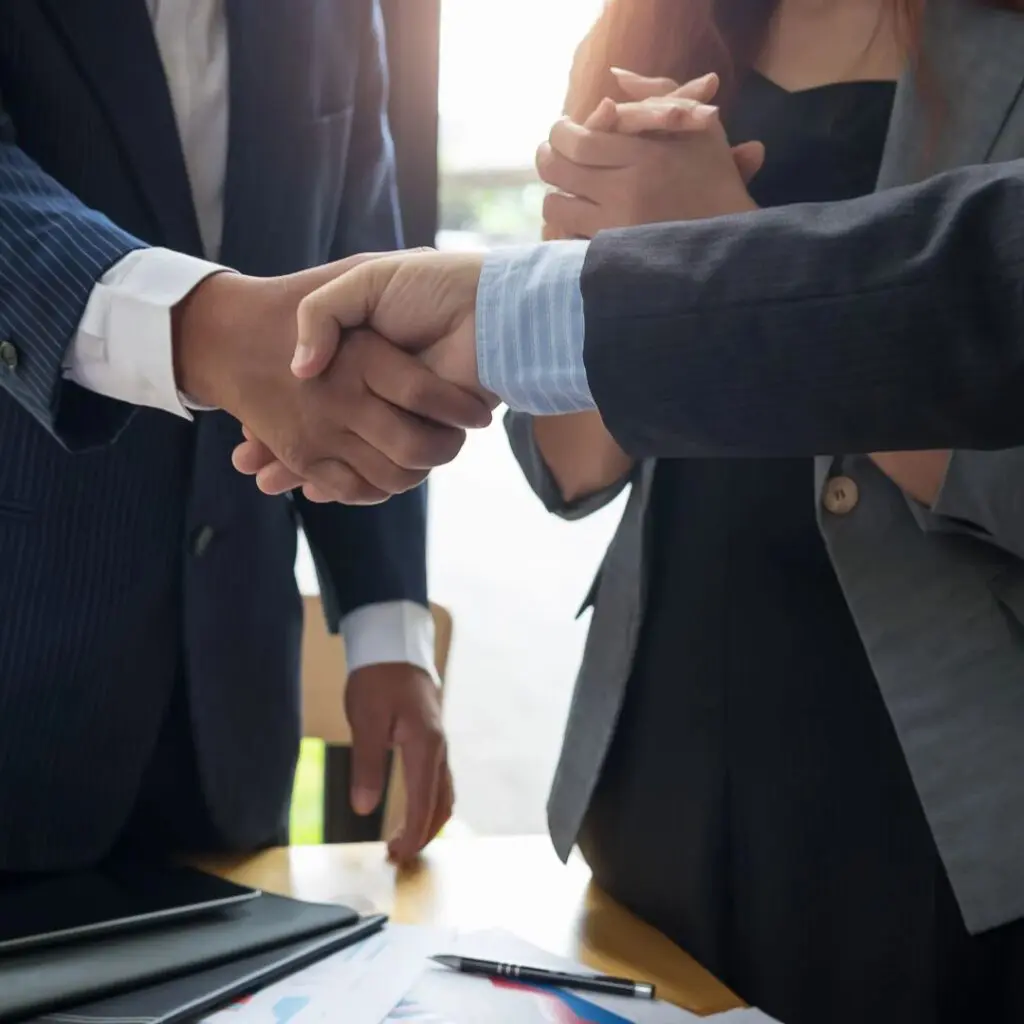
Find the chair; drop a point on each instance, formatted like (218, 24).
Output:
(323, 717)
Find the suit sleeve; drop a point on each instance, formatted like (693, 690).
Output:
(885, 323)
(53, 251)
(374, 554)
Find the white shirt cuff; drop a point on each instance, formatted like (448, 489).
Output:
(123, 346)
(389, 632)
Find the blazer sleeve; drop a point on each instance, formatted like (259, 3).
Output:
(53, 251)
(369, 555)
(890, 322)
(519, 428)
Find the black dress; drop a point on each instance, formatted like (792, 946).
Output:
(755, 804)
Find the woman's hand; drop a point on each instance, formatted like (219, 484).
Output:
(660, 157)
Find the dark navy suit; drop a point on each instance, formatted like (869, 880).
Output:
(135, 565)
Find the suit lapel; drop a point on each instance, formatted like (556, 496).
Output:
(113, 44)
(951, 112)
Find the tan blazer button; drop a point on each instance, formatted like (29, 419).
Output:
(841, 496)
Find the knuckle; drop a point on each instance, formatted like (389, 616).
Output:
(295, 456)
(311, 307)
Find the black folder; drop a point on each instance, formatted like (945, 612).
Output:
(50, 980)
(195, 995)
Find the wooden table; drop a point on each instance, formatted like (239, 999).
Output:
(513, 883)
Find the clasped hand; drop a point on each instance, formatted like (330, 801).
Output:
(660, 156)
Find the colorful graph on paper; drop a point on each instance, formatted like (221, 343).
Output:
(440, 998)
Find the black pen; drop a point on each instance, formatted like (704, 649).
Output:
(557, 979)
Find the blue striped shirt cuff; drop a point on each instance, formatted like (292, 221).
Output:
(530, 329)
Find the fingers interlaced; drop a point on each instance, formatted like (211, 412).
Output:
(640, 87)
(561, 173)
(588, 148)
(664, 114)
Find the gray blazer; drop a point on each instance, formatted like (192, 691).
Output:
(938, 595)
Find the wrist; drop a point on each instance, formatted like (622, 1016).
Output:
(208, 327)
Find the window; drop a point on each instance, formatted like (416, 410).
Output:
(504, 70)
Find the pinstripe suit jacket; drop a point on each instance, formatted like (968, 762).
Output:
(938, 595)
(132, 555)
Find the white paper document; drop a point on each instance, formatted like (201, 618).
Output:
(389, 979)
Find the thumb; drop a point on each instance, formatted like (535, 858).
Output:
(346, 300)
(749, 157)
(319, 333)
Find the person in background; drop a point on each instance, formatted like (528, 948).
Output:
(791, 742)
(150, 623)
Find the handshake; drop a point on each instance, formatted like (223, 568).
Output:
(352, 380)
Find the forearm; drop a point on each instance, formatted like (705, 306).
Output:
(580, 453)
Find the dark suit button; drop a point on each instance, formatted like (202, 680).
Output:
(202, 539)
(8, 355)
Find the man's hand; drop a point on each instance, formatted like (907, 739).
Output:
(397, 707)
(422, 302)
(372, 426)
